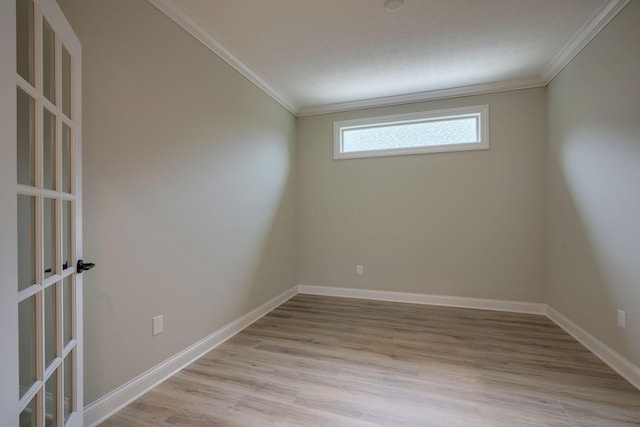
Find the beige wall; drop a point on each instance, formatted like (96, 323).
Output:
(191, 209)
(8, 215)
(461, 223)
(184, 163)
(594, 186)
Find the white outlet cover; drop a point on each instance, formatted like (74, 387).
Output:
(158, 325)
(622, 319)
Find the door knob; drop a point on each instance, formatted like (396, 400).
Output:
(82, 266)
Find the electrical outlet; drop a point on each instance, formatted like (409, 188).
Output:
(158, 325)
(359, 270)
(622, 319)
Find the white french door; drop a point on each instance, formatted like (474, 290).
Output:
(47, 287)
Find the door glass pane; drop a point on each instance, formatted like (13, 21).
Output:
(48, 61)
(66, 159)
(67, 259)
(66, 82)
(26, 241)
(27, 343)
(50, 336)
(49, 237)
(67, 299)
(49, 150)
(68, 384)
(29, 416)
(24, 39)
(26, 139)
(51, 400)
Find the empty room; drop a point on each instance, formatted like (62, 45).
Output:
(320, 213)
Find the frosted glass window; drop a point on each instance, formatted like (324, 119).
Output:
(432, 131)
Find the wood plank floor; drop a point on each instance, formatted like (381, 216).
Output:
(322, 361)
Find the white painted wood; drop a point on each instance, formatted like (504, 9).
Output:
(191, 25)
(615, 360)
(74, 48)
(412, 298)
(10, 407)
(433, 95)
(589, 30)
(184, 16)
(112, 402)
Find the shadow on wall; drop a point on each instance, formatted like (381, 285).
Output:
(197, 242)
(217, 222)
(594, 256)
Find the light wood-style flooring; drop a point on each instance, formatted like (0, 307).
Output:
(323, 361)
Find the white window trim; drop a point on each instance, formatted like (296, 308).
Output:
(340, 126)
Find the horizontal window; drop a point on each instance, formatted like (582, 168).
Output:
(455, 129)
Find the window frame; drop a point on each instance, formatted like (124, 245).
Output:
(481, 111)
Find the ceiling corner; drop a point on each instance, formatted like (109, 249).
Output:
(587, 32)
(192, 26)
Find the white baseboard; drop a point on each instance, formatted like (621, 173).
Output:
(448, 301)
(112, 402)
(617, 362)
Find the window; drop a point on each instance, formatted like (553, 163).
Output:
(455, 129)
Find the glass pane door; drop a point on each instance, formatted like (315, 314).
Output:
(48, 287)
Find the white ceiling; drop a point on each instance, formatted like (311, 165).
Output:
(316, 56)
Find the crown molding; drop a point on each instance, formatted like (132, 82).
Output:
(456, 92)
(587, 32)
(192, 26)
